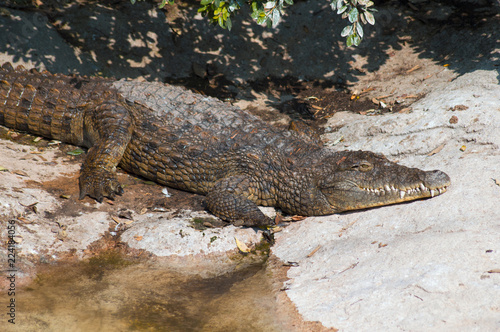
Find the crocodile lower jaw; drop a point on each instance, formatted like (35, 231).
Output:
(419, 191)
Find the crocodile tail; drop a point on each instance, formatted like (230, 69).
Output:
(47, 105)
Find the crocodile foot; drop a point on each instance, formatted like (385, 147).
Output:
(99, 183)
(235, 209)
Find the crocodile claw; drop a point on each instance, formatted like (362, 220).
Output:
(99, 183)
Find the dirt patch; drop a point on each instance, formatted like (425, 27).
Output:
(139, 193)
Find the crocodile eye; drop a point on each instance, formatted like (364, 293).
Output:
(363, 166)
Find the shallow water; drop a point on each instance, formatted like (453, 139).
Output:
(113, 294)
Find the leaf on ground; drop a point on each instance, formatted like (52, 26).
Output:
(24, 220)
(17, 238)
(413, 69)
(405, 110)
(314, 251)
(436, 150)
(241, 246)
(76, 152)
(275, 229)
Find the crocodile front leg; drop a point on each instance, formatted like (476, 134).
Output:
(230, 200)
(108, 129)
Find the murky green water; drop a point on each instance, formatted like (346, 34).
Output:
(111, 294)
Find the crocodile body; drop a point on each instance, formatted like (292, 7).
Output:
(196, 143)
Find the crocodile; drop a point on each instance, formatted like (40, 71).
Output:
(200, 144)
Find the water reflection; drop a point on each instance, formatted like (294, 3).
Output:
(112, 294)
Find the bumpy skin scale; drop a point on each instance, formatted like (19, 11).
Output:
(199, 144)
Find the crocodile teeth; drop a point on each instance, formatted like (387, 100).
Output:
(386, 190)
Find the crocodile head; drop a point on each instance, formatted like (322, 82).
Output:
(362, 179)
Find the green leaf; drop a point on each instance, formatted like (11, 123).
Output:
(362, 17)
(221, 22)
(232, 7)
(370, 18)
(356, 40)
(269, 4)
(76, 152)
(353, 15)
(162, 4)
(342, 9)
(206, 2)
(229, 24)
(359, 30)
(290, 2)
(217, 3)
(132, 2)
(349, 40)
(346, 31)
(276, 18)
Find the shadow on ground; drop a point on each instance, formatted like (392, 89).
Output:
(124, 40)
